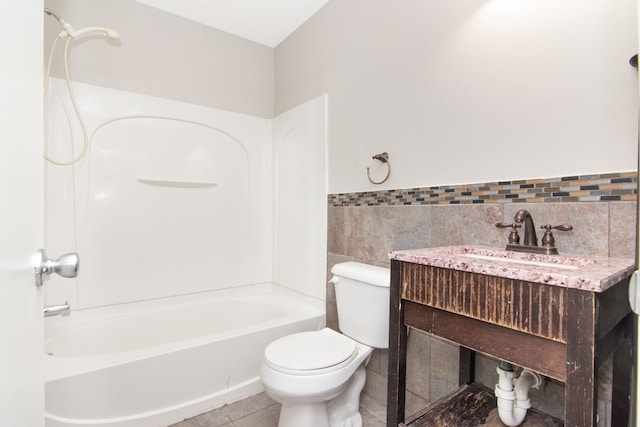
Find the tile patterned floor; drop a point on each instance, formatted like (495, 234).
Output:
(261, 411)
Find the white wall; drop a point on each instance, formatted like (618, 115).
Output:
(468, 91)
(160, 54)
(456, 91)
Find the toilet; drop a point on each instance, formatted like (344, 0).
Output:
(317, 376)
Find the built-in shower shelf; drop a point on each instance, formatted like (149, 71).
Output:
(176, 183)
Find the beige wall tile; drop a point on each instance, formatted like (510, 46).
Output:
(370, 232)
(467, 225)
(418, 363)
(622, 229)
(376, 387)
(444, 366)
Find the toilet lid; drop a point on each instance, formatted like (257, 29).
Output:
(309, 352)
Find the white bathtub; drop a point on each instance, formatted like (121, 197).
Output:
(154, 363)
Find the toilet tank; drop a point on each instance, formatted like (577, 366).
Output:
(362, 296)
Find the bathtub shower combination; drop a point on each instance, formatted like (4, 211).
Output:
(158, 362)
(191, 262)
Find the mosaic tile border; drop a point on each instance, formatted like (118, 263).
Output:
(585, 188)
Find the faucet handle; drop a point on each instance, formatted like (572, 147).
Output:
(549, 227)
(514, 237)
(547, 239)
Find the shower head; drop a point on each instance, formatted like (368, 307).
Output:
(112, 34)
(109, 33)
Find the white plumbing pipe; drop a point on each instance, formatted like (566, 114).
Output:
(513, 401)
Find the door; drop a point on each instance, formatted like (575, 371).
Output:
(634, 306)
(21, 213)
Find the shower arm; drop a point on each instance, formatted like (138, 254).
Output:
(52, 13)
(67, 30)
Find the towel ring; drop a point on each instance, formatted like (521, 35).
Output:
(384, 158)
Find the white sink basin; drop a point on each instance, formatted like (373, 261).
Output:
(522, 261)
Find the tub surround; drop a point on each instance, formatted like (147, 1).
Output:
(588, 273)
(161, 174)
(233, 176)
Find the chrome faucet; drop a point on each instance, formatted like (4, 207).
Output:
(57, 310)
(530, 243)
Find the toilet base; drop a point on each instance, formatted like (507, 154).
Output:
(309, 415)
(342, 411)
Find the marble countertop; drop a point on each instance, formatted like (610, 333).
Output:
(571, 271)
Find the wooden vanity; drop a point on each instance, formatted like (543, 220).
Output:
(556, 315)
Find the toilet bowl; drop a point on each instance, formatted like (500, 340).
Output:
(306, 379)
(318, 376)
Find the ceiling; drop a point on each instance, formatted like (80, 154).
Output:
(267, 22)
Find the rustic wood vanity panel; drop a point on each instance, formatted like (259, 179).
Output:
(561, 332)
(515, 304)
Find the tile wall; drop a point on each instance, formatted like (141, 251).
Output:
(366, 226)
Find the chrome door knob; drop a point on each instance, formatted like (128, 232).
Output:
(66, 266)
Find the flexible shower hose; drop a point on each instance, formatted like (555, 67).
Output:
(85, 137)
(70, 34)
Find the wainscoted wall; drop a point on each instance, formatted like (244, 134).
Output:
(366, 226)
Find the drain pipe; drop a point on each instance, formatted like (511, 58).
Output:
(512, 394)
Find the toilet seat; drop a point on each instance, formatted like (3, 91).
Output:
(310, 353)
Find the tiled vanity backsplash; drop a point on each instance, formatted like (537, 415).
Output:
(585, 188)
(366, 226)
